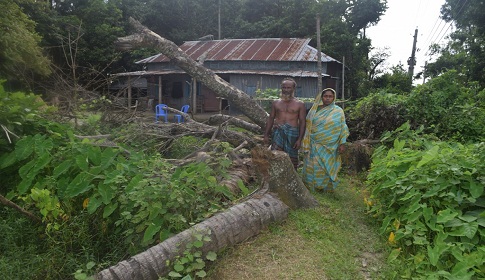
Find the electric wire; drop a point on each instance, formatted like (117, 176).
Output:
(436, 41)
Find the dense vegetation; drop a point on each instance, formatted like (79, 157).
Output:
(93, 203)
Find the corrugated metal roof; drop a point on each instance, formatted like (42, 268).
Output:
(309, 74)
(272, 49)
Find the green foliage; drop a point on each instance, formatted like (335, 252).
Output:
(153, 209)
(449, 107)
(464, 51)
(375, 114)
(20, 52)
(20, 114)
(269, 93)
(184, 146)
(430, 198)
(191, 264)
(398, 81)
(146, 200)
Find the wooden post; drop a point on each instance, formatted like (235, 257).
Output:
(129, 93)
(194, 96)
(159, 90)
(319, 57)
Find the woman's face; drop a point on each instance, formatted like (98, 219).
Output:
(327, 97)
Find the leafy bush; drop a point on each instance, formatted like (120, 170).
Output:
(375, 114)
(449, 107)
(81, 189)
(20, 114)
(430, 198)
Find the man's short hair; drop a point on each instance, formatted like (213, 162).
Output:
(289, 79)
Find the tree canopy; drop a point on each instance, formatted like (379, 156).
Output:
(78, 34)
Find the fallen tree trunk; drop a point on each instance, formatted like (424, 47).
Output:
(219, 118)
(235, 225)
(147, 38)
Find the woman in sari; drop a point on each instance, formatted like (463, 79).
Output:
(326, 132)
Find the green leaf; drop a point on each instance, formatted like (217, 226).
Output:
(62, 168)
(109, 209)
(461, 271)
(7, 159)
(198, 243)
(242, 187)
(445, 216)
(398, 145)
(82, 162)
(108, 157)
(24, 148)
(429, 156)
(94, 155)
(435, 252)
(178, 267)
(106, 192)
(174, 274)
(80, 184)
(467, 229)
(151, 230)
(201, 273)
(93, 205)
(24, 171)
(476, 189)
(393, 255)
(211, 256)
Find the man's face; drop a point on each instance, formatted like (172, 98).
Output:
(327, 98)
(287, 90)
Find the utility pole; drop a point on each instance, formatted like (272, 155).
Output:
(219, 20)
(319, 57)
(343, 82)
(412, 59)
(424, 71)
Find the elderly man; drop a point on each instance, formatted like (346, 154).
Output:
(287, 121)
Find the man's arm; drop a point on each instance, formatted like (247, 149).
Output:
(269, 123)
(301, 124)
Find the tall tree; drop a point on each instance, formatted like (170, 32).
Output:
(20, 53)
(464, 52)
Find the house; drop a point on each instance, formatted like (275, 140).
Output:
(247, 64)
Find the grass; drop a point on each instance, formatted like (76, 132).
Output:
(334, 241)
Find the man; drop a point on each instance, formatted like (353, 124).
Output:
(287, 120)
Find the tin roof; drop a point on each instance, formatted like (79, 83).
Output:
(269, 49)
(309, 74)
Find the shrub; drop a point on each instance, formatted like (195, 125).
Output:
(449, 107)
(430, 198)
(375, 114)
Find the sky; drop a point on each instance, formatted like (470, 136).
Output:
(396, 30)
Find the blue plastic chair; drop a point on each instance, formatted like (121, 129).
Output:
(161, 111)
(180, 118)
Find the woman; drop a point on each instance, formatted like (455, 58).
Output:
(326, 132)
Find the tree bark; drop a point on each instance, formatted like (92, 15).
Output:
(145, 37)
(235, 225)
(282, 178)
(219, 118)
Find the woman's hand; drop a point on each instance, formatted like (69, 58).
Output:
(341, 148)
